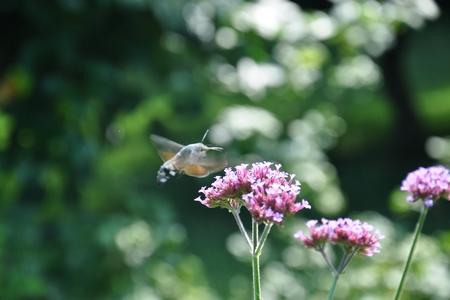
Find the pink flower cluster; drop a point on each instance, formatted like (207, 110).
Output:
(268, 193)
(228, 188)
(354, 235)
(427, 184)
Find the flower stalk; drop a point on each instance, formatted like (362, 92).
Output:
(235, 213)
(255, 263)
(327, 260)
(336, 272)
(418, 230)
(263, 238)
(333, 286)
(426, 185)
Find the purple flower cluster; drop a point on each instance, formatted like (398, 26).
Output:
(268, 193)
(354, 235)
(228, 188)
(427, 184)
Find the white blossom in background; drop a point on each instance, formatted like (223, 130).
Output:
(240, 122)
(346, 11)
(365, 25)
(301, 79)
(281, 283)
(322, 26)
(371, 25)
(237, 247)
(357, 72)
(301, 51)
(310, 136)
(199, 19)
(178, 281)
(271, 19)
(226, 75)
(142, 293)
(249, 77)
(255, 78)
(136, 242)
(303, 63)
(416, 12)
(226, 38)
(438, 148)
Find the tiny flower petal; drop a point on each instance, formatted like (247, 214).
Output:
(428, 202)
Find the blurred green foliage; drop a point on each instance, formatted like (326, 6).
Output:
(348, 95)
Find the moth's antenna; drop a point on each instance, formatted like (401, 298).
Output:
(204, 136)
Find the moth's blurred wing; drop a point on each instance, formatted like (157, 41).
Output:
(215, 163)
(165, 147)
(206, 165)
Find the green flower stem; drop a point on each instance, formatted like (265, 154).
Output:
(327, 260)
(255, 263)
(235, 213)
(263, 238)
(348, 255)
(333, 287)
(345, 260)
(419, 225)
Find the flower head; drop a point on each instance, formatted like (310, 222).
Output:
(228, 188)
(353, 235)
(427, 184)
(268, 193)
(319, 234)
(273, 194)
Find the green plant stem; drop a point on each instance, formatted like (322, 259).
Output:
(255, 263)
(419, 225)
(345, 260)
(235, 213)
(333, 286)
(336, 272)
(327, 260)
(263, 238)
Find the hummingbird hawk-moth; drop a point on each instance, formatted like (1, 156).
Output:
(195, 160)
